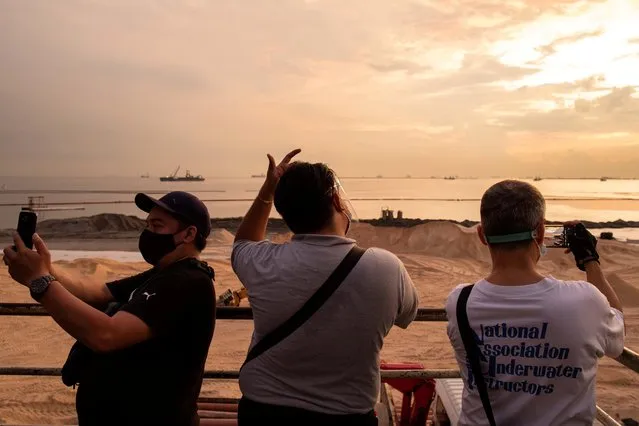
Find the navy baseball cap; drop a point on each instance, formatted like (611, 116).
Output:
(182, 205)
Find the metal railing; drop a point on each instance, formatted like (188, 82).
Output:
(222, 312)
(235, 374)
(628, 357)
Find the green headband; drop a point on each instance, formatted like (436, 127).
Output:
(511, 238)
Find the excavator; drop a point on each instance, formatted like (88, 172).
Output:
(232, 297)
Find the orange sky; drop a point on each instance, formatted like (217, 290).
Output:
(420, 87)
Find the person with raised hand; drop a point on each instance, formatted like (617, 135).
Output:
(321, 305)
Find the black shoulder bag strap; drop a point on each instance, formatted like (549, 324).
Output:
(311, 306)
(472, 351)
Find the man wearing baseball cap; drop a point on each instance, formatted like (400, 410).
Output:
(141, 361)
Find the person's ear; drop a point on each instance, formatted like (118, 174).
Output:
(190, 234)
(481, 235)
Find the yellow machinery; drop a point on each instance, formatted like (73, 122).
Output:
(232, 298)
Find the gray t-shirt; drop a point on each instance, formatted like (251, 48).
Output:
(331, 363)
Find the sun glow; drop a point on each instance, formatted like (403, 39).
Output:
(603, 40)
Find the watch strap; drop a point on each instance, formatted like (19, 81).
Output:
(39, 286)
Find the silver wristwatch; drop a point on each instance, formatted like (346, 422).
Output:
(40, 285)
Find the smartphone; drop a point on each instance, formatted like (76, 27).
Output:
(559, 236)
(27, 226)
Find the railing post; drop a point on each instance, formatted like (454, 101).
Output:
(630, 359)
(606, 418)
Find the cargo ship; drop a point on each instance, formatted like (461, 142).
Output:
(188, 177)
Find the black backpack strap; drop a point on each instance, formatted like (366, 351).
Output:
(472, 351)
(310, 307)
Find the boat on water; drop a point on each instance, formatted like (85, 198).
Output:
(188, 177)
(262, 175)
(145, 175)
(603, 179)
(537, 179)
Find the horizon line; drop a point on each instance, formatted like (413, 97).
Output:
(378, 177)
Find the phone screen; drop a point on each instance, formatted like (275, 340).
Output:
(558, 236)
(27, 226)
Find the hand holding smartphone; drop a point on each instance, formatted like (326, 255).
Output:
(27, 226)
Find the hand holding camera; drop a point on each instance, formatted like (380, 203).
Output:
(581, 243)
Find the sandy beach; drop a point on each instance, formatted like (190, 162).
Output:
(438, 256)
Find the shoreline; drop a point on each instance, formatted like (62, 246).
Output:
(118, 232)
(108, 223)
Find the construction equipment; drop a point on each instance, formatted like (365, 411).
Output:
(232, 298)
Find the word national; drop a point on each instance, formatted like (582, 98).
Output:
(504, 331)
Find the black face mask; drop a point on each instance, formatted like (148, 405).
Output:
(154, 246)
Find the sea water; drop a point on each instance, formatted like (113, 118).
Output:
(567, 199)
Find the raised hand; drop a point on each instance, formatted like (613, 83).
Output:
(582, 244)
(275, 171)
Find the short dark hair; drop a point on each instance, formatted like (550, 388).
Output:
(511, 207)
(200, 240)
(304, 197)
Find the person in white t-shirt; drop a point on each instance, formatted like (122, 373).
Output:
(539, 338)
(327, 371)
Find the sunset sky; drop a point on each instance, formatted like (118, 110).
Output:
(420, 87)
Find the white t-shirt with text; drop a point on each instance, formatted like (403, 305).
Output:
(540, 345)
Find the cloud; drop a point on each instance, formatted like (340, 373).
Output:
(400, 65)
(619, 100)
(615, 112)
(477, 70)
(551, 48)
(408, 85)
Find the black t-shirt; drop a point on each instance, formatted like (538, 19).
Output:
(155, 382)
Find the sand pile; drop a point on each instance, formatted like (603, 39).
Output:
(437, 255)
(101, 269)
(110, 226)
(628, 294)
(99, 224)
(443, 239)
(220, 237)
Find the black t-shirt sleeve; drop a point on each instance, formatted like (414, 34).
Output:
(167, 301)
(122, 289)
